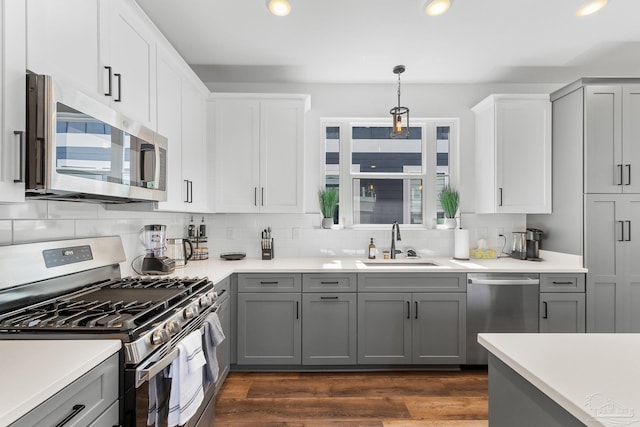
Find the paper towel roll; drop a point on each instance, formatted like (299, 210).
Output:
(461, 244)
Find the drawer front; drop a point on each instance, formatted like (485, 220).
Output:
(412, 282)
(109, 418)
(269, 282)
(81, 402)
(562, 282)
(329, 282)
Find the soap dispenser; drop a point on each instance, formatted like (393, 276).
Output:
(372, 250)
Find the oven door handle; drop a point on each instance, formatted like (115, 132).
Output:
(144, 374)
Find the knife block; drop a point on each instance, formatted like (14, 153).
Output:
(267, 252)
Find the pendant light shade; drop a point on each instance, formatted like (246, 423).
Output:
(399, 114)
(279, 7)
(591, 7)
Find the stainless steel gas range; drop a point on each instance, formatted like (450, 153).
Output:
(72, 289)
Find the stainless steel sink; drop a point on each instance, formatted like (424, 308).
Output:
(418, 262)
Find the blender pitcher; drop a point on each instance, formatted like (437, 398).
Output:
(519, 245)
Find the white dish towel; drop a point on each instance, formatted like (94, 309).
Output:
(186, 384)
(213, 336)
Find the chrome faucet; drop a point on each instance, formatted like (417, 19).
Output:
(395, 235)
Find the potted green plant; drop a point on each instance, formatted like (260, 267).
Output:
(449, 199)
(328, 199)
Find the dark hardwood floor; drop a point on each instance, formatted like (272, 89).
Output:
(434, 398)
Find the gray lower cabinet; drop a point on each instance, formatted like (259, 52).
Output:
(422, 321)
(612, 242)
(269, 319)
(89, 400)
(562, 303)
(329, 328)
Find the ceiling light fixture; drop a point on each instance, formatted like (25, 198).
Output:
(591, 7)
(398, 113)
(436, 7)
(279, 7)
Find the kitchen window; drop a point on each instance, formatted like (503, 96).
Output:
(382, 180)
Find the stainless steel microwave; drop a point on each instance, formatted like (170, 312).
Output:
(80, 149)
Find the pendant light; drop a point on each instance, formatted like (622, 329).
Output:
(279, 7)
(591, 7)
(436, 7)
(400, 114)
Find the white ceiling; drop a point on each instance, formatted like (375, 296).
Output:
(360, 41)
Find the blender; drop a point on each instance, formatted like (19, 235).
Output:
(155, 261)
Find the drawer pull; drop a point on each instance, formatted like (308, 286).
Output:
(562, 283)
(74, 411)
(330, 283)
(330, 298)
(269, 283)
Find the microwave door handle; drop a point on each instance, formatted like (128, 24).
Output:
(21, 149)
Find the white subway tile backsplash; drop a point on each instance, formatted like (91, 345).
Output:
(72, 210)
(36, 209)
(38, 230)
(6, 237)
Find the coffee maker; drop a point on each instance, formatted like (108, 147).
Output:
(534, 236)
(155, 261)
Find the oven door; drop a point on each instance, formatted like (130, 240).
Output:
(137, 379)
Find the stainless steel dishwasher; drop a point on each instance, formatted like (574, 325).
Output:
(499, 302)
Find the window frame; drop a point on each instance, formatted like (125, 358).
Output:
(429, 186)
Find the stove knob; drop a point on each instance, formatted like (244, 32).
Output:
(160, 336)
(206, 301)
(173, 327)
(190, 312)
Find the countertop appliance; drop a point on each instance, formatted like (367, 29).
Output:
(534, 236)
(81, 150)
(153, 237)
(499, 302)
(73, 290)
(519, 245)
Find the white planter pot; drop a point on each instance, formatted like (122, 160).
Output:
(450, 223)
(327, 222)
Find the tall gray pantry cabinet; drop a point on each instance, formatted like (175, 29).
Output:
(596, 190)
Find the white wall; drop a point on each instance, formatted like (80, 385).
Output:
(295, 235)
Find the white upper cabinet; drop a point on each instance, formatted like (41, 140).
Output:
(513, 154)
(259, 152)
(104, 48)
(128, 59)
(12, 96)
(612, 132)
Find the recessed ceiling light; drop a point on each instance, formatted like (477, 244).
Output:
(279, 7)
(436, 7)
(591, 7)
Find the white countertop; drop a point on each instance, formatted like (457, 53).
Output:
(589, 375)
(35, 370)
(217, 269)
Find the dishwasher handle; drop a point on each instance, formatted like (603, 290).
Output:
(503, 282)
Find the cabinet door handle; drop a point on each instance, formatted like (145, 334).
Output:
(186, 192)
(621, 223)
(119, 77)
(408, 309)
(108, 68)
(190, 191)
(329, 283)
(628, 239)
(416, 310)
(262, 196)
(255, 196)
(620, 167)
(500, 190)
(628, 175)
(74, 411)
(20, 155)
(545, 308)
(297, 309)
(329, 298)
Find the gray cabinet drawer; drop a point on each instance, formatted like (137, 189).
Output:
(269, 282)
(109, 418)
(329, 282)
(96, 391)
(412, 282)
(562, 282)
(223, 286)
